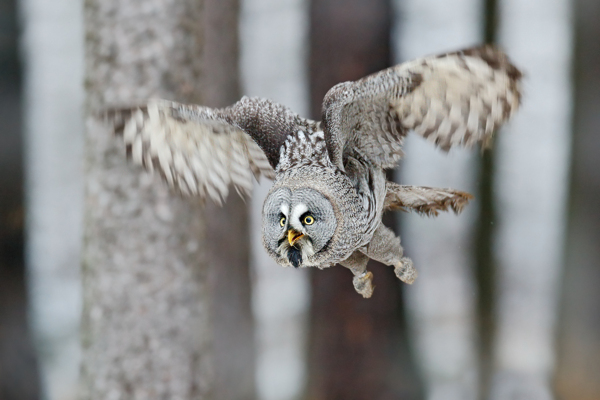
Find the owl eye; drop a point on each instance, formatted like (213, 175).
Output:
(282, 221)
(309, 220)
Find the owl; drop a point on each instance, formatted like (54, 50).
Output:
(330, 188)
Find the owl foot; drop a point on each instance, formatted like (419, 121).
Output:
(405, 271)
(363, 284)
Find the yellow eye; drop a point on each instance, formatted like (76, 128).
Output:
(282, 221)
(309, 220)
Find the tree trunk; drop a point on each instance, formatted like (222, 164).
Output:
(532, 164)
(146, 327)
(579, 346)
(273, 49)
(19, 378)
(228, 241)
(53, 43)
(357, 351)
(442, 302)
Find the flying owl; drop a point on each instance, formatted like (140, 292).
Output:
(330, 188)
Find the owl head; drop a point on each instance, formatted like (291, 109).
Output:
(298, 223)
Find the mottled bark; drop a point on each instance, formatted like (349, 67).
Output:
(442, 302)
(228, 240)
(357, 351)
(146, 327)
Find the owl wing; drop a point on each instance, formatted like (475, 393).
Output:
(424, 200)
(201, 151)
(457, 98)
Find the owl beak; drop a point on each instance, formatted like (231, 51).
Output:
(294, 236)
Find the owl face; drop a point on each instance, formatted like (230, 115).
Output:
(297, 224)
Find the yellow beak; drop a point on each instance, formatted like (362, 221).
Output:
(294, 236)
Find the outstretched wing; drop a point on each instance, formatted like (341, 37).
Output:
(458, 98)
(424, 200)
(201, 151)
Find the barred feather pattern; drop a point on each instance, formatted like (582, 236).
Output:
(462, 97)
(424, 200)
(200, 156)
(457, 98)
(303, 149)
(331, 171)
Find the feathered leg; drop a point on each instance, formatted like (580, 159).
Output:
(363, 279)
(385, 247)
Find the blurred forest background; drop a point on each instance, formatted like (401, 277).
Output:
(506, 305)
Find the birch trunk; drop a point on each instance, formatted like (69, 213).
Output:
(532, 168)
(441, 304)
(53, 48)
(146, 327)
(273, 49)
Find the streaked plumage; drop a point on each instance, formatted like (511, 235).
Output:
(330, 189)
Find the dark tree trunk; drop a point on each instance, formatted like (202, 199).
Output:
(579, 340)
(228, 240)
(18, 365)
(357, 349)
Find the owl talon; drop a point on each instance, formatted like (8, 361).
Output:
(405, 271)
(363, 284)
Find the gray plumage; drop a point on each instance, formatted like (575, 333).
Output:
(330, 189)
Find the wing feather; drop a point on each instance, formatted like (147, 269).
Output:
(453, 99)
(198, 150)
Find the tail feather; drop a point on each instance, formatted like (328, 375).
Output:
(424, 200)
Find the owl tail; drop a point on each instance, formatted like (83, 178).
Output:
(424, 200)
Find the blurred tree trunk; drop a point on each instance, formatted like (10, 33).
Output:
(273, 42)
(579, 345)
(356, 347)
(442, 303)
(531, 186)
(146, 327)
(53, 43)
(19, 378)
(228, 241)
